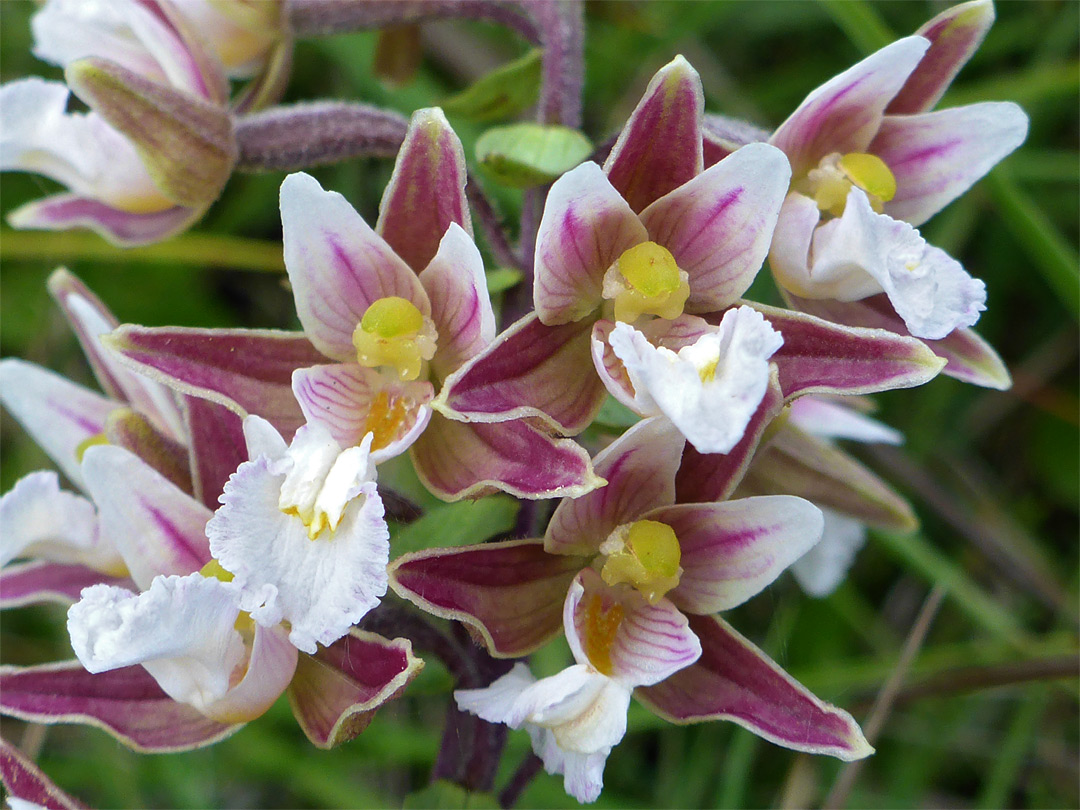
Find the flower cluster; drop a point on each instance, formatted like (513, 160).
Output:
(230, 529)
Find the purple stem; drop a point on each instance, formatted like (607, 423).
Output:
(391, 619)
(562, 36)
(530, 766)
(490, 224)
(321, 17)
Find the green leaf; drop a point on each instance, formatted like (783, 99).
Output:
(448, 796)
(501, 94)
(457, 523)
(861, 22)
(524, 155)
(613, 414)
(501, 279)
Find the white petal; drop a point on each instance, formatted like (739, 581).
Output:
(320, 586)
(733, 360)
(824, 566)
(262, 439)
(68, 30)
(495, 702)
(38, 519)
(79, 150)
(181, 630)
(829, 419)
(929, 289)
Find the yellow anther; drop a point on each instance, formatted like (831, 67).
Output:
(214, 570)
(871, 174)
(836, 174)
(645, 554)
(393, 332)
(645, 280)
(601, 626)
(87, 443)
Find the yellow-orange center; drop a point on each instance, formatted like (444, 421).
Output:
(646, 280)
(645, 554)
(393, 332)
(385, 419)
(601, 625)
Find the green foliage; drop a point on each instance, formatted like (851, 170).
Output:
(524, 155)
(501, 94)
(442, 793)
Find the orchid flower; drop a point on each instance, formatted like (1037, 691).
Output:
(55, 529)
(388, 314)
(870, 163)
(210, 666)
(156, 147)
(634, 560)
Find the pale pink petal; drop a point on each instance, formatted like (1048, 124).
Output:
(28, 788)
(320, 586)
(719, 224)
(335, 693)
(824, 567)
(586, 226)
(58, 414)
(460, 306)
(844, 114)
(39, 520)
(530, 370)
(64, 212)
(829, 419)
(796, 463)
(426, 193)
(246, 370)
(733, 550)
(342, 398)
(707, 477)
(937, 156)
(338, 266)
(929, 289)
(610, 368)
(127, 703)
(180, 629)
(954, 36)
(736, 681)
(639, 468)
(271, 663)
(35, 582)
(789, 253)
(456, 460)
(157, 528)
(659, 149)
(510, 594)
(90, 320)
(651, 642)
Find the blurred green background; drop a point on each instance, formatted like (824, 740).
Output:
(984, 719)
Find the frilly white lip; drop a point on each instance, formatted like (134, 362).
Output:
(709, 389)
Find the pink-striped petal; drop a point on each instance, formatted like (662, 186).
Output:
(157, 527)
(796, 463)
(246, 370)
(707, 477)
(819, 356)
(649, 643)
(344, 398)
(426, 192)
(338, 265)
(127, 703)
(736, 681)
(954, 36)
(35, 582)
(460, 306)
(937, 156)
(586, 226)
(217, 447)
(28, 785)
(58, 414)
(334, 694)
(458, 460)
(639, 468)
(731, 551)
(659, 149)
(271, 663)
(510, 594)
(719, 224)
(89, 319)
(844, 114)
(531, 370)
(968, 357)
(721, 135)
(132, 431)
(64, 212)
